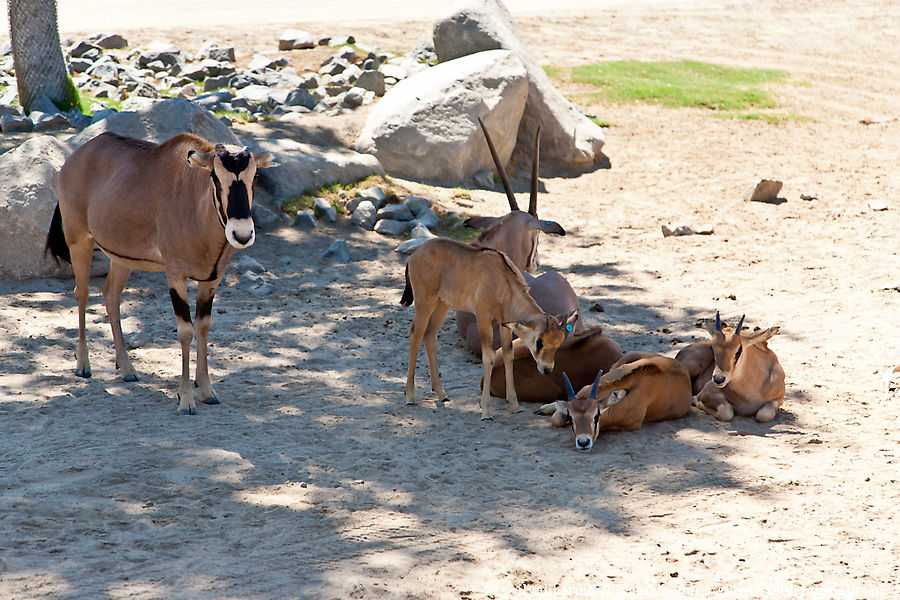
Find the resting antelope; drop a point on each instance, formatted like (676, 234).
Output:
(641, 387)
(581, 356)
(182, 207)
(736, 374)
(443, 274)
(516, 234)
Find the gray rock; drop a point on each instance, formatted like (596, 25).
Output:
(324, 208)
(365, 215)
(145, 90)
(426, 218)
(167, 54)
(417, 204)
(252, 282)
(80, 65)
(568, 138)
(395, 71)
(107, 72)
(49, 122)
(14, 124)
(109, 41)
(373, 81)
(308, 81)
(215, 83)
(83, 47)
(303, 166)
(354, 97)
(28, 178)
(426, 126)
(248, 263)
(216, 52)
(160, 121)
(333, 67)
(420, 231)
(374, 194)
(255, 93)
(295, 39)
(390, 227)
(397, 212)
(341, 40)
(409, 246)
(764, 191)
(260, 63)
(424, 52)
(484, 179)
(210, 99)
(44, 104)
(305, 218)
(12, 110)
(300, 97)
(268, 219)
(339, 251)
(347, 76)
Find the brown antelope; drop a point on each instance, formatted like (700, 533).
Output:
(581, 356)
(516, 234)
(443, 274)
(182, 207)
(641, 387)
(736, 374)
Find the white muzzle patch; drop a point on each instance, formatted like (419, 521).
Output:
(240, 233)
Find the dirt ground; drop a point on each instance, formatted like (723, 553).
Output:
(314, 480)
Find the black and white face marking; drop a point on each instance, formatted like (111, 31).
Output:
(233, 174)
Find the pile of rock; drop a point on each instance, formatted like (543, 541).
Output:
(103, 68)
(371, 210)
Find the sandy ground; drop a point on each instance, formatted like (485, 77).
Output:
(314, 480)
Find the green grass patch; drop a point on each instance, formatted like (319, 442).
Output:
(676, 84)
(769, 117)
(331, 192)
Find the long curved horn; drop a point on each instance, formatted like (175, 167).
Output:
(569, 391)
(532, 200)
(718, 322)
(596, 384)
(513, 205)
(740, 324)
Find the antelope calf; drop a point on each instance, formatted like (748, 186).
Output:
(517, 234)
(443, 274)
(581, 356)
(736, 374)
(641, 387)
(182, 207)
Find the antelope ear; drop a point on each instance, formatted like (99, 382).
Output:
(563, 406)
(516, 327)
(202, 160)
(264, 160)
(549, 227)
(481, 223)
(760, 337)
(567, 322)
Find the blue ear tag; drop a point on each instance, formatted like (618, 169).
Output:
(548, 222)
(569, 328)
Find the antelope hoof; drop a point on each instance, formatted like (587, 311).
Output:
(487, 418)
(130, 378)
(212, 400)
(187, 411)
(83, 373)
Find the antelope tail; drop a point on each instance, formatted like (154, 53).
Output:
(56, 239)
(407, 297)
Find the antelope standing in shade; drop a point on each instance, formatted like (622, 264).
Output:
(182, 207)
(443, 274)
(517, 234)
(736, 374)
(641, 387)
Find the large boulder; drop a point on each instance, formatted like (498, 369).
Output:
(28, 178)
(160, 121)
(426, 126)
(568, 138)
(302, 167)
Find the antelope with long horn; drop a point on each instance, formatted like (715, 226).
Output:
(182, 207)
(641, 387)
(517, 234)
(736, 374)
(443, 274)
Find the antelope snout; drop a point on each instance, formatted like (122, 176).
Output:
(720, 379)
(543, 368)
(583, 443)
(240, 233)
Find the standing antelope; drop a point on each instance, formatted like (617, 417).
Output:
(736, 374)
(516, 234)
(182, 207)
(443, 274)
(641, 387)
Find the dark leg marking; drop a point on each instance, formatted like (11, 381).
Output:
(204, 307)
(182, 310)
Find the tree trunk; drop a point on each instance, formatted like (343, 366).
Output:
(37, 54)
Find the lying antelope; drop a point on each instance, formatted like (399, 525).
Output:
(581, 356)
(641, 387)
(736, 374)
(516, 234)
(443, 274)
(182, 207)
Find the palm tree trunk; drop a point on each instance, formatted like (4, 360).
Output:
(37, 54)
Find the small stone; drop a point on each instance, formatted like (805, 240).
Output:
(374, 194)
(324, 208)
(409, 246)
(13, 124)
(365, 215)
(305, 218)
(109, 41)
(877, 205)
(417, 204)
(390, 227)
(247, 263)
(49, 122)
(426, 218)
(420, 231)
(339, 251)
(354, 97)
(485, 179)
(676, 230)
(249, 280)
(764, 191)
(300, 97)
(296, 39)
(397, 212)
